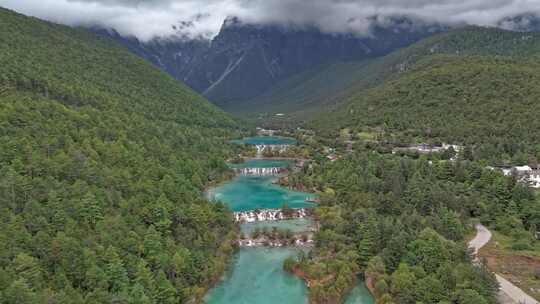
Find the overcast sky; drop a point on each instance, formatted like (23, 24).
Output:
(146, 19)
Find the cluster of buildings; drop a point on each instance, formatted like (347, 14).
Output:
(526, 174)
(427, 148)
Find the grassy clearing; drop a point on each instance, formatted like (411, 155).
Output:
(368, 136)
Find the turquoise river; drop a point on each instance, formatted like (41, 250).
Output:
(256, 274)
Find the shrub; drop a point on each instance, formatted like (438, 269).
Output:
(288, 264)
(522, 244)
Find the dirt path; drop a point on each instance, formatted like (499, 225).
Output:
(510, 294)
(483, 235)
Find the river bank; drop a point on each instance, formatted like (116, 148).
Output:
(256, 269)
(275, 224)
(254, 277)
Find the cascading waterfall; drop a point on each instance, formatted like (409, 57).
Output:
(269, 215)
(261, 171)
(270, 235)
(265, 266)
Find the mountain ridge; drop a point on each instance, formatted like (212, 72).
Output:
(328, 87)
(243, 61)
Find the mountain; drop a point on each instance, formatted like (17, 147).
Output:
(474, 86)
(103, 160)
(327, 87)
(243, 61)
(176, 56)
(303, 95)
(521, 23)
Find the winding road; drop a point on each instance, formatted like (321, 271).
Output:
(510, 294)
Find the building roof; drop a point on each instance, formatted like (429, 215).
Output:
(523, 168)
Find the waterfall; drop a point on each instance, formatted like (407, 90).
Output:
(268, 215)
(260, 171)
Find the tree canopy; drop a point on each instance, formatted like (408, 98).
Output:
(103, 160)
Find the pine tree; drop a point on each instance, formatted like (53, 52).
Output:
(115, 271)
(19, 292)
(145, 278)
(28, 268)
(137, 295)
(90, 209)
(165, 292)
(152, 245)
(367, 245)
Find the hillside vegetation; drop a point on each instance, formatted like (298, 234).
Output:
(404, 223)
(306, 93)
(326, 87)
(475, 87)
(102, 162)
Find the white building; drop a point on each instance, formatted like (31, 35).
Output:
(427, 148)
(526, 174)
(534, 178)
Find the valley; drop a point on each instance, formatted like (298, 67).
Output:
(268, 236)
(244, 61)
(259, 268)
(379, 154)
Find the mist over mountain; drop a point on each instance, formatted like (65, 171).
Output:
(149, 19)
(387, 132)
(245, 60)
(521, 23)
(231, 60)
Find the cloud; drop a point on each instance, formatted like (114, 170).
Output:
(147, 19)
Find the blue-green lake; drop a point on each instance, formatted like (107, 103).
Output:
(246, 193)
(360, 295)
(265, 140)
(257, 276)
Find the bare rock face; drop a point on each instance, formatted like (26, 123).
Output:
(243, 60)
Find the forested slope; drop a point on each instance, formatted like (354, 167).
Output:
(404, 223)
(305, 94)
(102, 162)
(476, 87)
(324, 88)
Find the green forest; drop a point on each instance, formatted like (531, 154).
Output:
(403, 223)
(475, 86)
(103, 160)
(488, 103)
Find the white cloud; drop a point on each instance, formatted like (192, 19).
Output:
(150, 18)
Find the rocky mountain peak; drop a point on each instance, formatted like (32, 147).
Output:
(245, 60)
